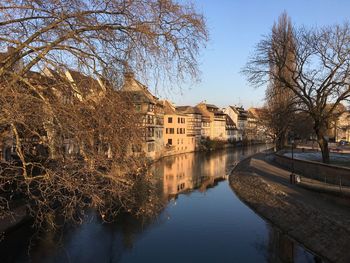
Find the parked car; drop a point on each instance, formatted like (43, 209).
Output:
(343, 143)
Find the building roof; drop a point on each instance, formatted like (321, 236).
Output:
(83, 81)
(230, 122)
(168, 108)
(212, 106)
(203, 110)
(242, 113)
(137, 89)
(255, 113)
(188, 110)
(219, 112)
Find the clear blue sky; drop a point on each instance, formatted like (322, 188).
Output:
(235, 26)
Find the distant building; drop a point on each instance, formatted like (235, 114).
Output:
(175, 131)
(240, 117)
(231, 130)
(255, 130)
(79, 86)
(343, 127)
(193, 124)
(205, 121)
(217, 121)
(152, 115)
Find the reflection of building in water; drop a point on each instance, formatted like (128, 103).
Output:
(191, 171)
(178, 176)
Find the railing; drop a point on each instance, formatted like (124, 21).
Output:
(319, 175)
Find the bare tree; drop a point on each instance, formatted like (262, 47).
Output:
(318, 71)
(102, 36)
(72, 129)
(280, 101)
(302, 126)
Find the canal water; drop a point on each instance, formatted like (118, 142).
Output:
(203, 221)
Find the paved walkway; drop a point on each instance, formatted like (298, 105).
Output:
(308, 183)
(311, 191)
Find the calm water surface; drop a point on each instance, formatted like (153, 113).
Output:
(203, 221)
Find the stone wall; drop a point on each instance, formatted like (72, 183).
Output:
(330, 174)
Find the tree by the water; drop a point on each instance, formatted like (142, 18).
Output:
(316, 69)
(59, 82)
(280, 101)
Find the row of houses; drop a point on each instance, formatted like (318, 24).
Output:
(171, 129)
(167, 129)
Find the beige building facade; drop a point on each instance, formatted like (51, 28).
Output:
(193, 123)
(343, 127)
(175, 133)
(239, 117)
(213, 122)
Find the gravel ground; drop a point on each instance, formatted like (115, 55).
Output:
(319, 222)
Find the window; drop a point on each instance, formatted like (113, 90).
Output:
(150, 132)
(136, 148)
(178, 120)
(138, 107)
(150, 147)
(150, 107)
(150, 119)
(170, 141)
(170, 120)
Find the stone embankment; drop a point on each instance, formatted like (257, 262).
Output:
(318, 221)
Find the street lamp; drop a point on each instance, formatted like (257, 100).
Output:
(292, 175)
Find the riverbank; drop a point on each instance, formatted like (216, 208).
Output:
(318, 221)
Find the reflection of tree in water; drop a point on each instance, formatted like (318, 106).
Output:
(91, 242)
(279, 248)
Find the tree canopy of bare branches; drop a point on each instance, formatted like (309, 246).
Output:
(59, 99)
(104, 37)
(318, 71)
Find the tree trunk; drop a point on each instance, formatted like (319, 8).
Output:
(281, 140)
(279, 144)
(323, 143)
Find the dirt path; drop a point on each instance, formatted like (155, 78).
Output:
(319, 221)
